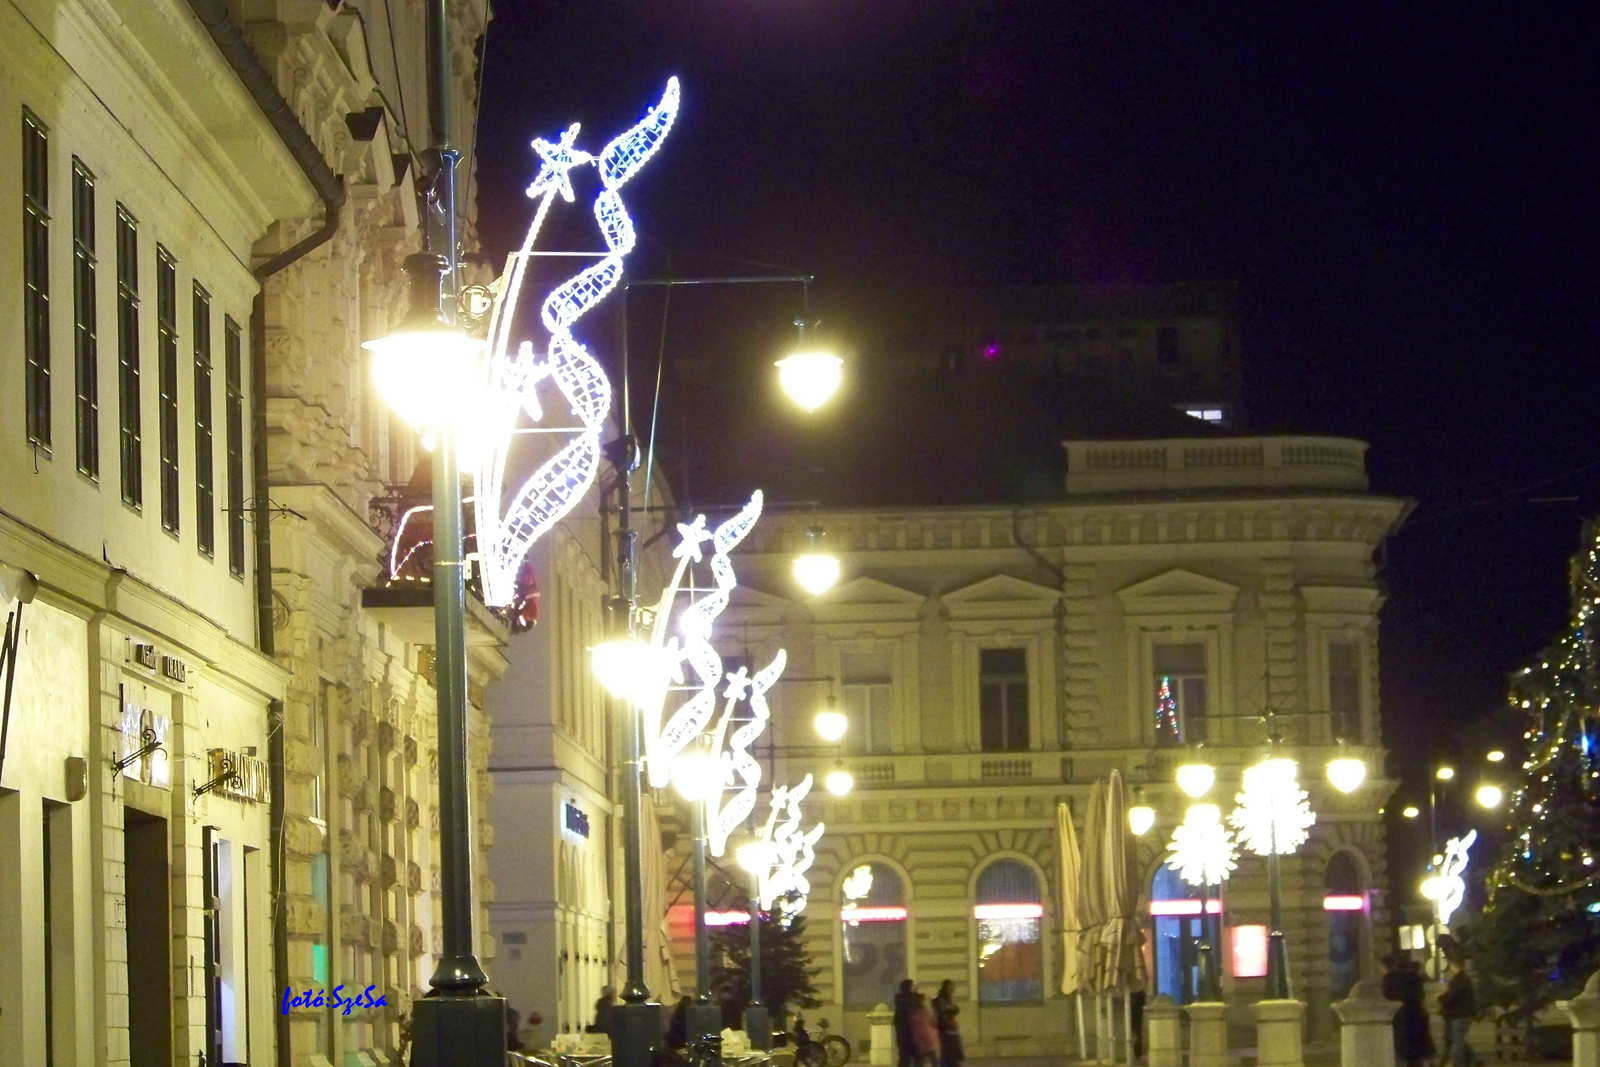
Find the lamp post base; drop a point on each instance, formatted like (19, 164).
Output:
(458, 1032)
(635, 1032)
(758, 1026)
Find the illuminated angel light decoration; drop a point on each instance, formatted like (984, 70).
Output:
(508, 525)
(663, 741)
(1274, 814)
(736, 767)
(1202, 850)
(1448, 888)
(788, 854)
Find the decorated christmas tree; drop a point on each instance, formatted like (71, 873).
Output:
(1167, 731)
(786, 971)
(1538, 937)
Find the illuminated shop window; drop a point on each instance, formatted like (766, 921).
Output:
(1009, 916)
(873, 914)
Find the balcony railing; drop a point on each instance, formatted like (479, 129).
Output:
(1329, 463)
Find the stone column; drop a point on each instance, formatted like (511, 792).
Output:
(1278, 1030)
(1164, 1040)
(1584, 1011)
(881, 1051)
(1366, 1036)
(1208, 1034)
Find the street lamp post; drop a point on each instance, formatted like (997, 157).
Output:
(424, 368)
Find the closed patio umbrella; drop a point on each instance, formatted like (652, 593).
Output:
(1091, 905)
(1122, 935)
(1067, 851)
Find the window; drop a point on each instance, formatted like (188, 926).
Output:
(1167, 344)
(1003, 699)
(1344, 687)
(1342, 878)
(132, 446)
(1212, 415)
(1010, 951)
(85, 322)
(167, 383)
(205, 472)
(36, 277)
(1180, 693)
(1177, 927)
(867, 692)
(873, 914)
(233, 389)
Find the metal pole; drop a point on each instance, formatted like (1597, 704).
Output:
(1208, 963)
(702, 941)
(757, 1023)
(1433, 850)
(1277, 961)
(460, 1023)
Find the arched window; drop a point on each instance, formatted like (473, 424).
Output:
(1344, 903)
(1009, 916)
(873, 914)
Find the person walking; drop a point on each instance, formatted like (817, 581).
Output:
(1458, 1006)
(925, 1044)
(602, 1011)
(945, 1011)
(1402, 982)
(904, 1001)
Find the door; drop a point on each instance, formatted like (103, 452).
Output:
(149, 909)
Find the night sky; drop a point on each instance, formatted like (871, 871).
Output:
(1405, 193)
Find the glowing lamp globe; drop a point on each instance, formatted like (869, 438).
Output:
(427, 370)
(1141, 817)
(1411, 811)
(831, 723)
(621, 666)
(1489, 796)
(1196, 779)
(839, 782)
(1444, 774)
(696, 775)
(1432, 887)
(1495, 756)
(810, 378)
(1346, 773)
(816, 572)
(755, 856)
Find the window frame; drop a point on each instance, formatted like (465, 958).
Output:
(129, 387)
(233, 394)
(35, 186)
(1007, 681)
(167, 387)
(85, 322)
(1041, 924)
(907, 925)
(205, 460)
(1181, 693)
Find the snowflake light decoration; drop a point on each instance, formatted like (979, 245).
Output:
(787, 854)
(508, 524)
(1274, 814)
(1448, 888)
(1202, 851)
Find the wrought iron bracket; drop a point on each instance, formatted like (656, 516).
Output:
(148, 735)
(228, 776)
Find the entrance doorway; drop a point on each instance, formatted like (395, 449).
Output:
(1344, 906)
(1175, 920)
(144, 850)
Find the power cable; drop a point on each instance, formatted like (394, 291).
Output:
(399, 81)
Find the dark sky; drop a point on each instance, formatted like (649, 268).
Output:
(1406, 194)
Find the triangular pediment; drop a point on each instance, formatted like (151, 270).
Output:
(749, 605)
(865, 591)
(1178, 591)
(1002, 588)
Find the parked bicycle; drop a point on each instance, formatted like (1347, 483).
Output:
(826, 1050)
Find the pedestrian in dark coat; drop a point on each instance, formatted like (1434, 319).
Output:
(1413, 1044)
(1458, 1006)
(945, 1011)
(904, 1002)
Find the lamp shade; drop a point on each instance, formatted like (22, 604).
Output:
(428, 370)
(1196, 779)
(1346, 773)
(1141, 817)
(810, 377)
(831, 723)
(839, 782)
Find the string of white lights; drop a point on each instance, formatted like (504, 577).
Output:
(506, 528)
(788, 854)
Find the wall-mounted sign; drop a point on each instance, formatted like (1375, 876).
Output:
(238, 775)
(145, 655)
(574, 821)
(142, 729)
(174, 669)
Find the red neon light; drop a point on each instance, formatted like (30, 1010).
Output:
(727, 918)
(1344, 903)
(871, 915)
(1008, 911)
(1184, 907)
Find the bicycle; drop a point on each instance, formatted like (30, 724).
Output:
(828, 1050)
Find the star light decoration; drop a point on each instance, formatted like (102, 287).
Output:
(1203, 851)
(786, 854)
(508, 523)
(1274, 814)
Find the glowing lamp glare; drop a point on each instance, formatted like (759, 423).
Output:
(695, 775)
(839, 782)
(831, 724)
(1346, 773)
(1141, 817)
(1490, 796)
(816, 572)
(1007, 911)
(1196, 779)
(811, 378)
(1444, 774)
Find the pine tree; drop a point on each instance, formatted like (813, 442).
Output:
(786, 971)
(1538, 938)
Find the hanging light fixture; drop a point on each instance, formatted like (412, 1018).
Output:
(1346, 772)
(1490, 796)
(696, 774)
(830, 722)
(427, 370)
(814, 569)
(1141, 816)
(839, 781)
(1195, 779)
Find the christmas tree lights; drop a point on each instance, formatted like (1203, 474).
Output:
(1167, 714)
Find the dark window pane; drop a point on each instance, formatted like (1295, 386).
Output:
(36, 278)
(1344, 687)
(85, 322)
(994, 661)
(1016, 716)
(205, 497)
(233, 386)
(991, 712)
(130, 418)
(167, 383)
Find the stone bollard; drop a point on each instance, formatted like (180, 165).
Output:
(1208, 1034)
(881, 1022)
(1584, 1011)
(1278, 1033)
(1366, 1030)
(1164, 1036)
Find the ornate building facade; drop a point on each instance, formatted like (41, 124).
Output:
(995, 662)
(219, 770)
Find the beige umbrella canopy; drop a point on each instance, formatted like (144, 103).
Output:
(1091, 890)
(1067, 846)
(1121, 959)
